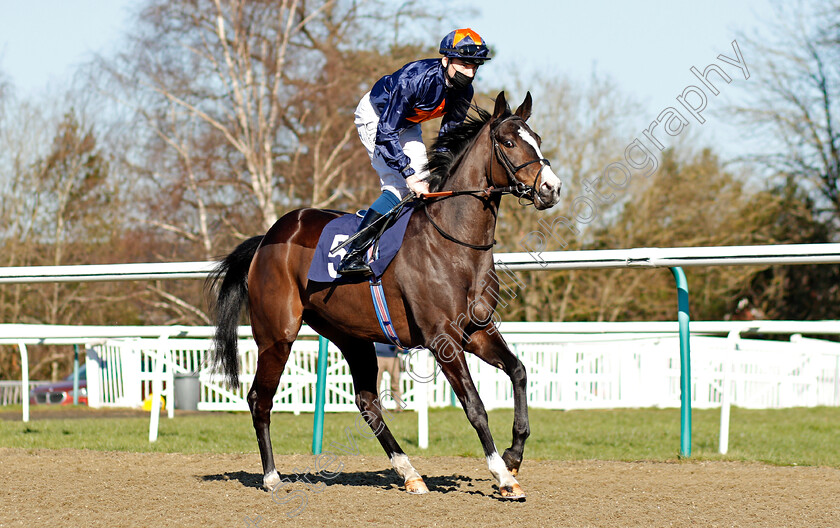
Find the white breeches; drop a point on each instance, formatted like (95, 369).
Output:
(411, 140)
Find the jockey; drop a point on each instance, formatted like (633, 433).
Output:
(388, 121)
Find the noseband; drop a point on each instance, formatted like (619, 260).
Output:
(523, 191)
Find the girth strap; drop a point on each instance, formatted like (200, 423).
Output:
(380, 306)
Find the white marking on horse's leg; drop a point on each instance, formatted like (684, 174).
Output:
(509, 488)
(500, 471)
(414, 483)
(271, 480)
(403, 467)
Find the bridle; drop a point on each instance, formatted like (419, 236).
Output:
(521, 190)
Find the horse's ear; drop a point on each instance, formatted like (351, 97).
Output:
(524, 110)
(501, 105)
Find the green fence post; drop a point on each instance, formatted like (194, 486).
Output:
(685, 363)
(75, 374)
(320, 396)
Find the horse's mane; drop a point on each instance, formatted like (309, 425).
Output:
(448, 149)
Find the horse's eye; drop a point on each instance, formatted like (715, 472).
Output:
(508, 143)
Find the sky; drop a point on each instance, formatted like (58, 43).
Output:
(645, 46)
(42, 41)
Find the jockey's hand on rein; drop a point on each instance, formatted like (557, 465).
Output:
(418, 186)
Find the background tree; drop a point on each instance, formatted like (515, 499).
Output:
(794, 292)
(58, 207)
(691, 200)
(583, 126)
(243, 110)
(71, 203)
(794, 100)
(246, 108)
(794, 105)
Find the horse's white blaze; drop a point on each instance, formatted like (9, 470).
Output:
(499, 470)
(546, 174)
(550, 178)
(271, 480)
(531, 140)
(403, 467)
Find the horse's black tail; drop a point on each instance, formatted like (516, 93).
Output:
(232, 272)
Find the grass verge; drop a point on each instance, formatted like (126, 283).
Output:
(800, 436)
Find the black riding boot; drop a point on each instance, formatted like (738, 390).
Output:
(355, 261)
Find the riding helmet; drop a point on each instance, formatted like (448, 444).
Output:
(465, 44)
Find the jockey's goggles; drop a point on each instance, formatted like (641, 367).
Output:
(467, 53)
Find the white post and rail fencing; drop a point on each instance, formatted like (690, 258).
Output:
(673, 258)
(570, 366)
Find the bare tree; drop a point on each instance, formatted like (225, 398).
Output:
(57, 207)
(249, 103)
(584, 127)
(690, 201)
(72, 199)
(795, 98)
(23, 135)
(684, 199)
(241, 111)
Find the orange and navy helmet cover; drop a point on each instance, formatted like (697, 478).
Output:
(465, 44)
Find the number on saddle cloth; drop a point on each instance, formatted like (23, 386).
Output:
(326, 259)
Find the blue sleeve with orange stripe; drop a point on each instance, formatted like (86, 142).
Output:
(400, 104)
(413, 94)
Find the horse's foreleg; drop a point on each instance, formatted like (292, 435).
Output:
(371, 408)
(270, 366)
(454, 367)
(363, 367)
(493, 350)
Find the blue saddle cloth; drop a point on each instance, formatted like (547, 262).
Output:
(324, 264)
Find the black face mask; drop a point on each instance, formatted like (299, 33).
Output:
(459, 81)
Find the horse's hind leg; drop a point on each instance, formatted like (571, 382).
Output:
(361, 358)
(492, 349)
(270, 366)
(276, 316)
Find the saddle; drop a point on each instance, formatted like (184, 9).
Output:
(379, 225)
(338, 233)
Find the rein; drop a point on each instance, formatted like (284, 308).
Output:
(519, 189)
(479, 193)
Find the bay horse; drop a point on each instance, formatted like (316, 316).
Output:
(443, 271)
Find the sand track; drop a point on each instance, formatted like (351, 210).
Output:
(91, 488)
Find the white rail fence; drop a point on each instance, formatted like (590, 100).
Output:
(565, 371)
(602, 383)
(11, 393)
(535, 260)
(570, 366)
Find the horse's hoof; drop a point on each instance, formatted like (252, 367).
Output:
(416, 486)
(271, 481)
(512, 492)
